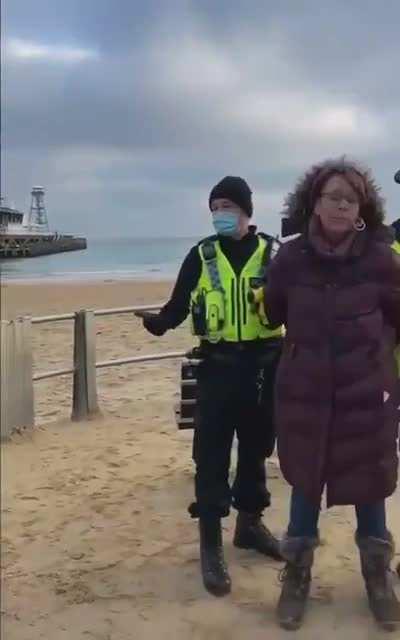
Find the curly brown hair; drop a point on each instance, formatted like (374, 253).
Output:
(299, 204)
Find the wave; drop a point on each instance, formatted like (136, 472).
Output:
(151, 271)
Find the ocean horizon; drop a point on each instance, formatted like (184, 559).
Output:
(104, 258)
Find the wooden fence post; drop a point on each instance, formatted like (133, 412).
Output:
(24, 329)
(6, 378)
(16, 376)
(84, 402)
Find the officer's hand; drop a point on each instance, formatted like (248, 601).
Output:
(152, 322)
(256, 299)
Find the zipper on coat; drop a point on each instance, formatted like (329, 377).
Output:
(330, 289)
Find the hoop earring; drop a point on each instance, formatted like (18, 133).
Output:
(359, 224)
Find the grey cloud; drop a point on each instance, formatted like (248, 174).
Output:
(172, 103)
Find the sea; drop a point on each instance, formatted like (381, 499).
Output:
(104, 259)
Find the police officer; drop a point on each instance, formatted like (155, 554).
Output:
(216, 284)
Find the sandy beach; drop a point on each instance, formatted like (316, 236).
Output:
(97, 543)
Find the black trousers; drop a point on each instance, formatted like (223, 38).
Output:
(234, 397)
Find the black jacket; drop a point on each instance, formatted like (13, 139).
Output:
(396, 227)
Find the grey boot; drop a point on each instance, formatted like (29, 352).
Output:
(296, 580)
(251, 533)
(376, 555)
(215, 574)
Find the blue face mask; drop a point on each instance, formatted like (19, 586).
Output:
(226, 223)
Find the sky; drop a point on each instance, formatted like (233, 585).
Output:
(128, 112)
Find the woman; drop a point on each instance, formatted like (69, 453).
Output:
(336, 287)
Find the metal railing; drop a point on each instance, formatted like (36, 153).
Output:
(17, 377)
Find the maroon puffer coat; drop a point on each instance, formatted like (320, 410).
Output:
(336, 406)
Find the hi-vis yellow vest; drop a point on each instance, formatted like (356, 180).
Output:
(229, 313)
(396, 246)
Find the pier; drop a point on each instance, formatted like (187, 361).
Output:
(30, 246)
(34, 238)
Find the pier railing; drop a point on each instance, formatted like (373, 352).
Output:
(16, 372)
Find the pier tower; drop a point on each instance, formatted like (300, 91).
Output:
(37, 213)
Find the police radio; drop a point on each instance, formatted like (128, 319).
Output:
(185, 410)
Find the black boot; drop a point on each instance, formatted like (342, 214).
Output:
(251, 533)
(376, 555)
(296, 580)
(214, 571)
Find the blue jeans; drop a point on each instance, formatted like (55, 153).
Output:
(304, 515)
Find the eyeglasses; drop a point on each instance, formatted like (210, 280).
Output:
(334, 197)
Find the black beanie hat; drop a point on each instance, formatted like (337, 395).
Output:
(235, 189)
